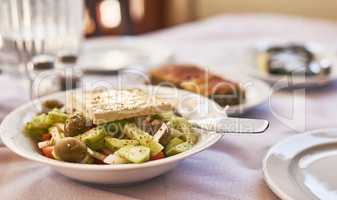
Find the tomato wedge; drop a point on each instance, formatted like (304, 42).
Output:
(48, 151)
(46, 136)
(160, 155)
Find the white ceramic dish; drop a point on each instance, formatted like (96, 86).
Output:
(257, 92)
(303, 166)
(320, 50)
(110, 54)
(192, 106)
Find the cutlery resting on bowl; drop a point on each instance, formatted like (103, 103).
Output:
(231, 125)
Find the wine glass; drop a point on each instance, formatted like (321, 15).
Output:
(45, 28)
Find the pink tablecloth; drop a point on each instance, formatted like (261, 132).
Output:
(231, 169)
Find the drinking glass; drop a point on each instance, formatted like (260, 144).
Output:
(35, 28)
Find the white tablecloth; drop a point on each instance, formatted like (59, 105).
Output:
(231, 169)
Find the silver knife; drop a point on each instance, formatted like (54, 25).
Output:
(231, 125)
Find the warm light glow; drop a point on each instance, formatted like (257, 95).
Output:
(89, 23)
(137, 9)
(110, 13)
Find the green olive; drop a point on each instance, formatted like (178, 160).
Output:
(70, 150)
(75, 125)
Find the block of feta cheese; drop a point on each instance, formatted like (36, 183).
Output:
(110, 105)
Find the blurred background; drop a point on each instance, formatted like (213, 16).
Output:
(54, 30)
(131, 17)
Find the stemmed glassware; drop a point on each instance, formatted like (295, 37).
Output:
(40, 28)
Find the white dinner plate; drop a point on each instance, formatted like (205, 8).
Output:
(190, 105)
(110, 54)
(257, 91)
(249, 64)
(303, 166)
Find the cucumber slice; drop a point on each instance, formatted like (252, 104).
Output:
(135, 154)
(172, 143)
(114, 143)
(168, 137)
(115, 159)
(145, 139)
(97, 145)
(190, 137)
(179, 149)
(93, 138)
(38, 126)
(57, 116)
(154, 146)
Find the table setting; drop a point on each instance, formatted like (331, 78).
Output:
(274, 137)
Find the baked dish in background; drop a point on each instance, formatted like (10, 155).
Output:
(195, 79)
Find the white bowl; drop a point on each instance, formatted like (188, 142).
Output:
(13, 137)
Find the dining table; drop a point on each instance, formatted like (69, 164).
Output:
(231, 168)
